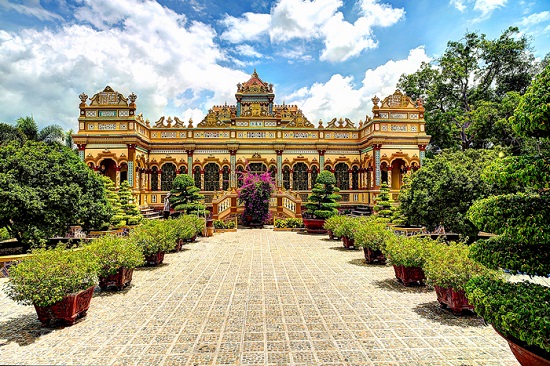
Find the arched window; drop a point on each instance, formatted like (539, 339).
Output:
(123, 172)
(355, 178)
(257, 168)
(314, 174)
(327, 167)
(197, 177)
(273, 172)
(154, 179)
(286, 177)
(167, 176)
(384, 173)
(299, 175)
(225, 178)
(183, 169)
(341, 172)
(240, 176)
(211, 177)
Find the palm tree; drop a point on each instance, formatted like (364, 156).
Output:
(49, 134)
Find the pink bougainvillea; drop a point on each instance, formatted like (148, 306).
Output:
(255, 194)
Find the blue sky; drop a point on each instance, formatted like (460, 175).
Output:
(180, 57)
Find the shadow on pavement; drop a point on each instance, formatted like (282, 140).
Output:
(391, 284)
(24, 330)
(432, 311)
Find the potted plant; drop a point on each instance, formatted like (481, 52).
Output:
(448, 269)
(185, 196)
(372, 237)
(154, 238)
(322, 203)
(58, 282)
(117, 258)
(407, 254)
(225, 226)
(288, 224)
(186, 228)
(520, 215)
(332, 223)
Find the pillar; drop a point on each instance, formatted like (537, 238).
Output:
(148, 177)
(117, 179)
(350, 178)
(190, 163)
(202, 180)
(279, 168)
(131, 158)
(422, 153)
(309, 182)
(377, 174)
(81, 151)
(233, 169)
(390, 176)
(321, 160)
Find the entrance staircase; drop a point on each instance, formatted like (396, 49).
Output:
(149, 213)
(361, 211)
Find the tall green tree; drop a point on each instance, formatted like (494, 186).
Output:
(132, 215)
(49, 134)
(185, 195)
(470, 73)
(44, 189)
(10, 133)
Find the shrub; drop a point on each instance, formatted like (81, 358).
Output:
(383, 200)
(449, 266)
(279, 223)
(409, 251)
(49, 275)
(221, 224)
(186, 226)
(333, 222)
(132, 215)
(322, 203)
(154, 236)
(372, 234)
(4, 234)
(290, 222)
(114, 252)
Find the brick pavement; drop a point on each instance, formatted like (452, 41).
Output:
(257, 297)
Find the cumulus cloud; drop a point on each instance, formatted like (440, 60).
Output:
(341, 97)
(316, 20)
(139, 47)
(248, 51)
(485, 7)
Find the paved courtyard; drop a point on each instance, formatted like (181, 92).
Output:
(257, 297)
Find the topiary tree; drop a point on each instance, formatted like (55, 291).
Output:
(322, 203)
(255, 194)
(44, 189)
(116, 212)
(383, 207)
(398, 217)
(185, 195)
(521, 218)
(132, 215)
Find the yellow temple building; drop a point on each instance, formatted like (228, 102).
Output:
(257, 135)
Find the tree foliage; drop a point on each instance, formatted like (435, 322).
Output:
(44, 189)
(472, 88)
(322, 203)
(443, 190)
(185, 195)
(132, 215)
(255, 194)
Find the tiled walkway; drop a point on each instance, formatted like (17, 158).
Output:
(257, 297)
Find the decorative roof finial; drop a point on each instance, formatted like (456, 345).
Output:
(255, 74)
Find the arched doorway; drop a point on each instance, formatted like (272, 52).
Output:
(225, 177)
(211, 177)
(197, 177)
(299, 177)
(314, 174)
(167, 176)
(286, 177)
(399, 168)
(107, 167)
(341, 172)
(154, 179)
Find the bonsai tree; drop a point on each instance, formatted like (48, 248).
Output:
(521, 217)
(185, 195)
(322, 203)
(255, 194)
(117, 214)
(132, 215)
(114, 252)
(48, 276)
(44, 189)
(383, 207)
(398, 217)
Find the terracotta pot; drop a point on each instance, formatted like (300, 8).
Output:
(68, 309)
(315, 226)
(348, 243)
(154, 259)
(331, 235)
(121, 279)
(408, 275)
(526, 355)
(372, 256)
(456, 301)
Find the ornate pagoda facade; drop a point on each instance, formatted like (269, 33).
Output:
(257, 135)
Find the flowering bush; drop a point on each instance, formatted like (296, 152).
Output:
(255, 194)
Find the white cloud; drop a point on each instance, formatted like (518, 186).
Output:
(485, 7)
(340, 97)
(248, 28)
(316, 20)
(459, 4)
(31, 8)
(248, 51)
(535, 19)
(139, 47)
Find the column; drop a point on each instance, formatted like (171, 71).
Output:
(309, 182)
(422, 153)
(131, 155)
(322, 160)
(377, 173)
(350, 179)
(220, 181)
(190, 163)
(389, 176)
(143, 179)
(233, 169)
(159, 180)
(81, 151)
(279, 168)
(117, 179)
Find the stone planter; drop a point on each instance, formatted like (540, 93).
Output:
(374, 256)
(409, 275)
(69, 309)
(315, 226)
(348, 243)
(154, 259)
(456, 301)
(526, 355)
(119, 280)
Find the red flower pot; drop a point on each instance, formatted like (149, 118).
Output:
(68, 309)
(372, 256)
(408, 275)
(121, 279)
(526, 355)
(315, 226)
(456, 301)
(348, 243)
(155, 259)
